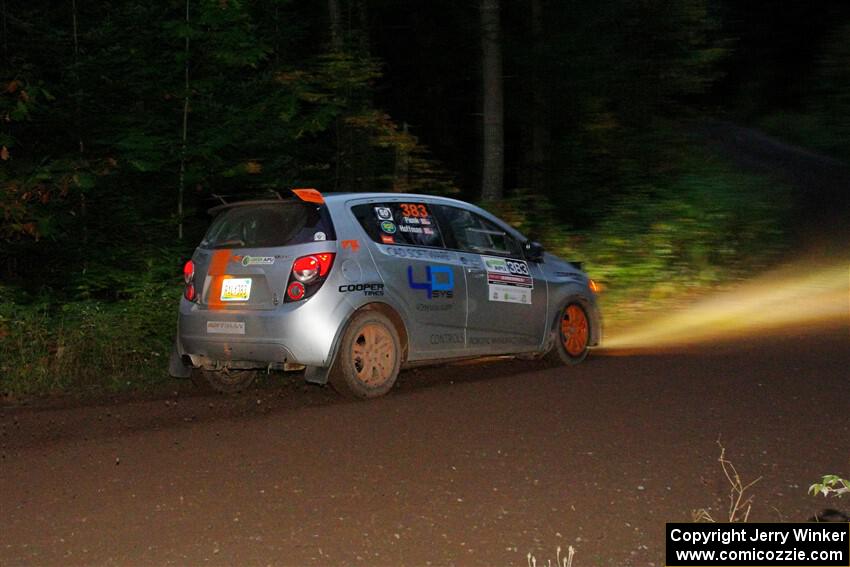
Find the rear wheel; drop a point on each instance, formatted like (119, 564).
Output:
(573, 335)
(369, 357)
(225, 380)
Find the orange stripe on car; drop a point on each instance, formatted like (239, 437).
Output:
(218, 273)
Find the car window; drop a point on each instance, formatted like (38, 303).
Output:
(409, 224)
(268, 225)
(467, 231)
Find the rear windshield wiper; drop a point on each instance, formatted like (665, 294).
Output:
(231, 242)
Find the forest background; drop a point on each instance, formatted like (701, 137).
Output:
(582, 123)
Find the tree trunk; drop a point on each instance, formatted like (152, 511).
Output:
(77, 77)
(539, 131)
(181, 187)
(336, 23)
(79, 127)
(5, 39)
(493, 132)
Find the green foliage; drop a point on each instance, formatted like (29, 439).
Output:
(91, 146)
(86, 347)
(705, 221)
(701, 224)
(831, 484)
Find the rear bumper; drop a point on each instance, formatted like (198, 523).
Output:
(294, 333)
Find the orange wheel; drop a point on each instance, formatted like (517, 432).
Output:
(574, 330)
(573, 336)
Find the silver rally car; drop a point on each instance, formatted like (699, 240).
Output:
(356, 286)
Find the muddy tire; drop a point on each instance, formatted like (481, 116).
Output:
(572, 336)
(225, 381)
(369, 357)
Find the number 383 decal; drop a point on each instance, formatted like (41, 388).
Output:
(518, 268)
(413, 210)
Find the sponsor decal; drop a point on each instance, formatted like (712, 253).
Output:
(508, 281)
(497, 265)
(501, 340)
(446, 339)
(509, 294)
(388, 227)
(320, 236)
(434, 306)
(368, 289)
(383, 213)
(257, 260)
(226, 327)
(418, 253)
(439, 281)
(387, 239)
(352, 245)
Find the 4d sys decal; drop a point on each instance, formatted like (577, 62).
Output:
(508, 281)
(439, 281)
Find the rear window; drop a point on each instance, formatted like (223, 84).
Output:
(408, 224)
(269, 225)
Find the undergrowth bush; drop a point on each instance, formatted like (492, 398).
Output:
(707, 224)
(86, 347)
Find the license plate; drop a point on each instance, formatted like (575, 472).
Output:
(236, 289)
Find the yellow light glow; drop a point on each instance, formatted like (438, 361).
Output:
(787, 299)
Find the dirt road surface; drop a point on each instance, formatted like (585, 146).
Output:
(460, 465)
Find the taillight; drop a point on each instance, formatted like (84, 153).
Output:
(308, 274)
(189, 278)
(189, 272)
(307, 268)
(295, 291)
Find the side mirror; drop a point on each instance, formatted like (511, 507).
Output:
(533, 251)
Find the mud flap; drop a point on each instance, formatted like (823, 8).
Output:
(176, 366)
(317, 375)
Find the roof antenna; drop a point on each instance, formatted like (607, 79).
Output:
(220, 198)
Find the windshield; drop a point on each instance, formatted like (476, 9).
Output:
(269, 225)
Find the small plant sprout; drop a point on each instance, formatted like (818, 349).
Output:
(740, 503)
(831, 485)
(559, 561)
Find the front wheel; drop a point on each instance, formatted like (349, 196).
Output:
(369, 357)
(573, 336)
